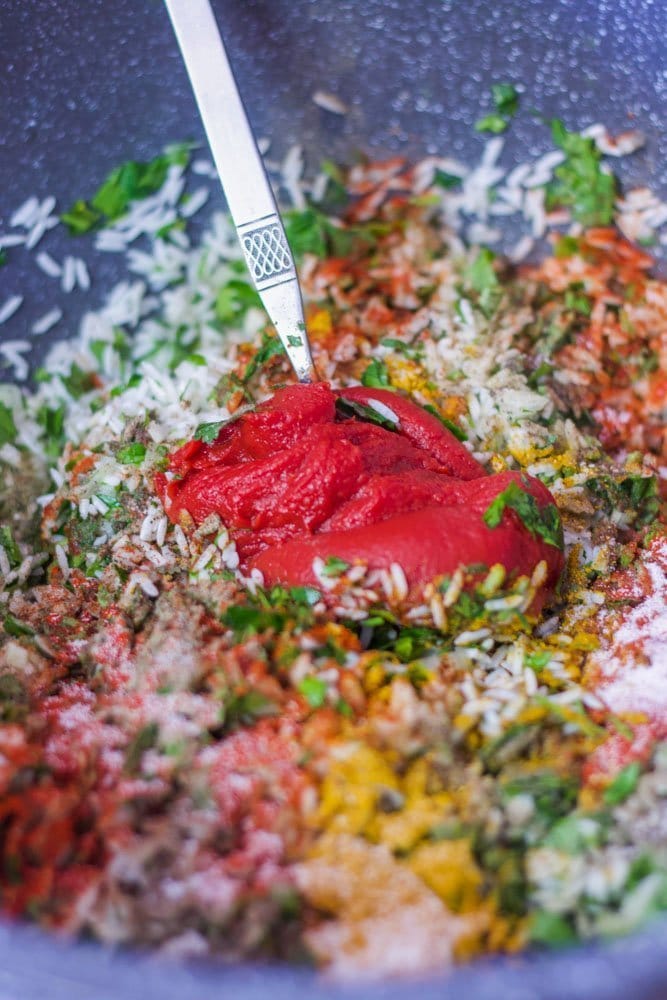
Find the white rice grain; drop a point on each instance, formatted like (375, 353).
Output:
(63, 563)
(10, 240)
(205, 558)
(82, 274)
(12, 304)
(11, 352)
(5, 565)
(196, 201)
(68, 280)
(329, 102)
(48, 265)
(25, 214)
(47, 321)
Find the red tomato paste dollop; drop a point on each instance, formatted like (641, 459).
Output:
(298, 479)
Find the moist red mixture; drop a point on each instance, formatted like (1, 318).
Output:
(300, 479)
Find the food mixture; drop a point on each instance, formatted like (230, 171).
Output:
(372, 673)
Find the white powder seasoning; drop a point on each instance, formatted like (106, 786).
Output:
(634, 663)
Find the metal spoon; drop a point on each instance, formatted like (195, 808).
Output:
(247, 189)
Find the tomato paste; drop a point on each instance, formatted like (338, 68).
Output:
(360, 474)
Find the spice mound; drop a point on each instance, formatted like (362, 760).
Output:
(365, 476)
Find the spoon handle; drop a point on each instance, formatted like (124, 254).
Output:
(247, 190)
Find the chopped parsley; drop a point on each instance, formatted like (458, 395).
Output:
(234, 300)
(538, 660)
(623, 784)
(78, 382)
(244, 709)
(144, 740)
(577, 301)
(376, 375)
(493, 123)
(639, 496)
(506, 98)
(80, 218)
(351, 408)
(133, 381)
(16, 628)
(506, 102)
(580, 183)
(551, 929)
(8, 543)
(311, 231)
(129, 182)
(543, 522)
(52, 421)
(333, 566)
(8, 429)
(446, 181)
(271, 610)
(566, 246)
(132, 454)
(481, 277)
(457, 431)
(414, 352)
(314, 690)
(271, 347)
(209, 432)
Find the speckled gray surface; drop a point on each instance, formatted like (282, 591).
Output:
(85, 85)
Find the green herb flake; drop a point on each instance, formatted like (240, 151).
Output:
(16, 628)
(623, 784)
(444, 180)
(245, 709)
(52, 421)
(506, 98)
(491, 123)
(272, 611)
(351, 408)
(132, 454)
(638, 495)
(133, 381)
(311, 231)
(540, 521)
(144, 740)
(208, 432)
(78, 382)
(8, 543)
(551, 929)
(306, 596)
(8, 430)
(81, 218)
(234, 300)
(376, 375)
(306, 232)
(270, 348)
(333, 566)
(314, 690)
(580, 183)
(538, 661)
(482, 278)
(457, 431)
(129, 182)
(414, 352)
(577, 301)
(566, 246)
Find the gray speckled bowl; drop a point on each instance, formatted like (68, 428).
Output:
(87, 85)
